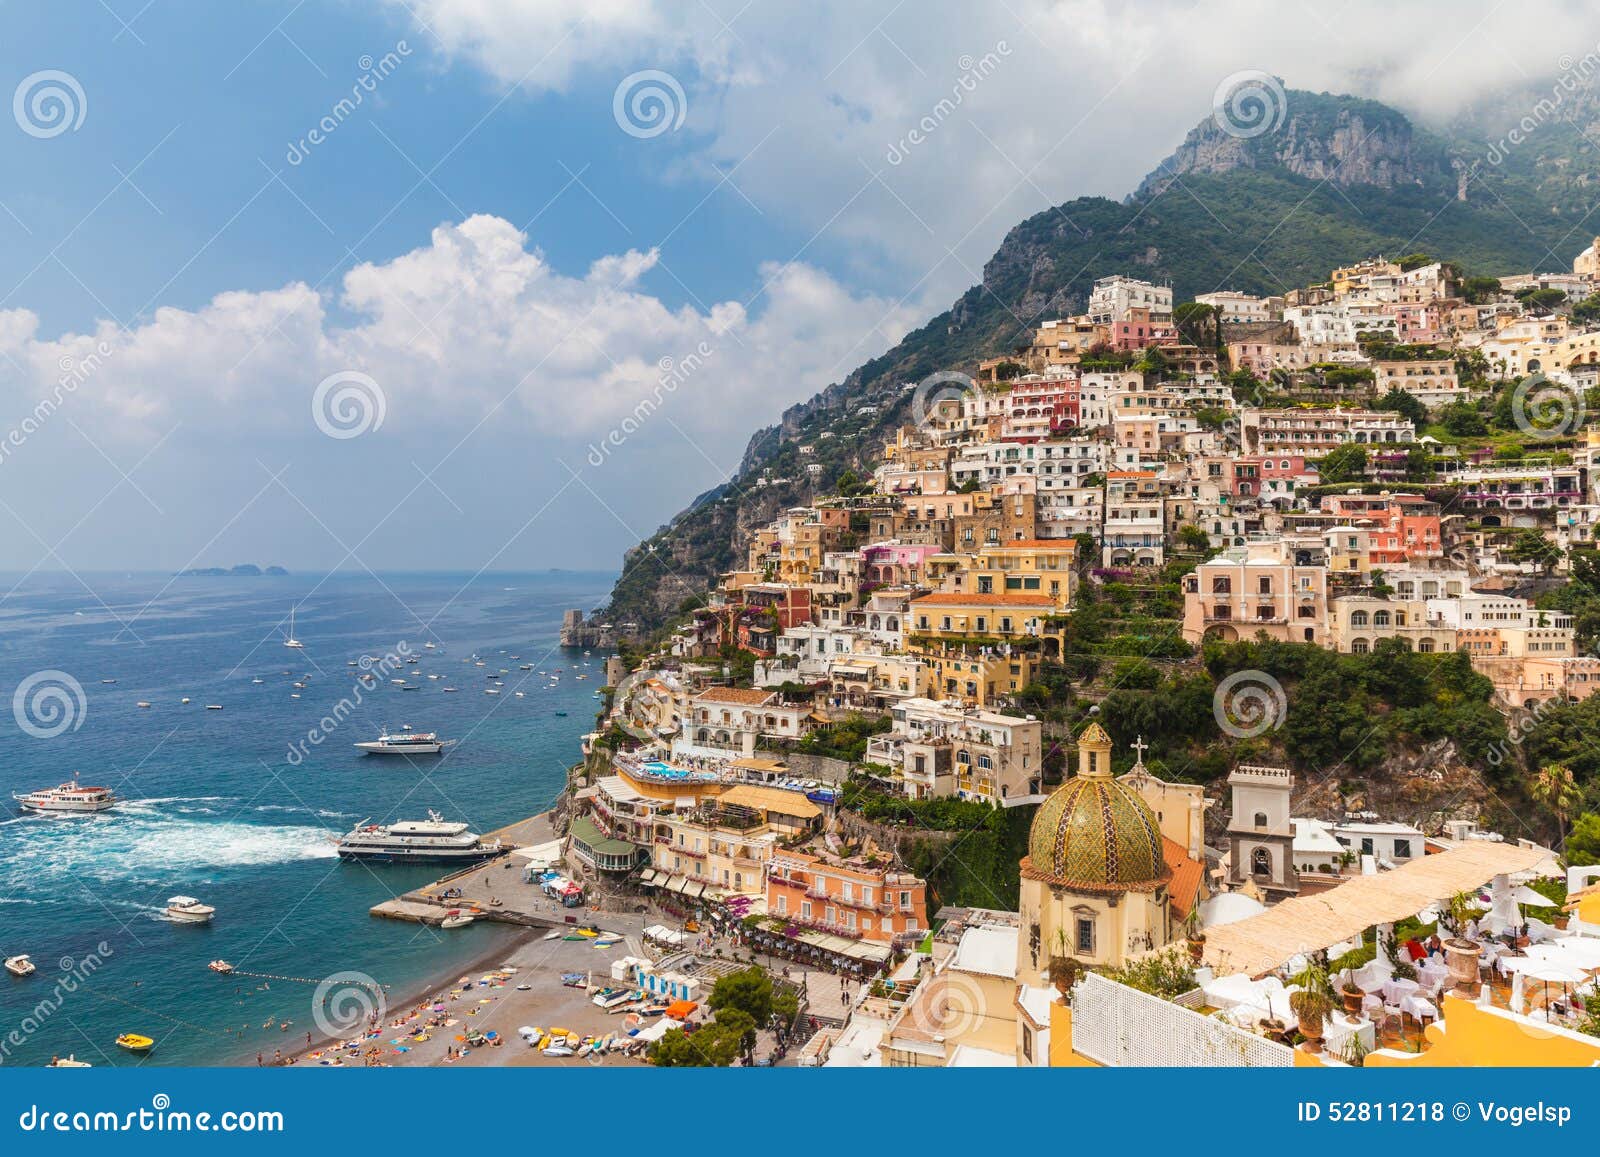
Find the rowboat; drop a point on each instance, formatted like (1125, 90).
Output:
(135, 1042)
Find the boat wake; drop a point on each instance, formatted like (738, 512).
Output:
(141, 844)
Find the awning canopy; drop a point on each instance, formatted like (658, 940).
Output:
(648, 876)
(771, 799)
(1259, 944)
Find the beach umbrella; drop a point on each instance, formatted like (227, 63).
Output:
(1527, 896)
(1581, 950)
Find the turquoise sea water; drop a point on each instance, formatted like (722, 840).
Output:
(238, 807)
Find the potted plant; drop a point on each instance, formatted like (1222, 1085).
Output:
(1460, 953)
(1196, 934)
(1313, 1003)
(1064, 967)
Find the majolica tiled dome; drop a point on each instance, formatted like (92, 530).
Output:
(1095, 833)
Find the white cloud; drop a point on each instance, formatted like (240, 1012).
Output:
(473, 327)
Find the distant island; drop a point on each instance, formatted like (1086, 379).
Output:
(247, 570)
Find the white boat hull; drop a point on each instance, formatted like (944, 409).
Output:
(375, 748)
(81, 807)
(191, 915)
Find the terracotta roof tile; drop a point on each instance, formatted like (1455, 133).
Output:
(1186, 876)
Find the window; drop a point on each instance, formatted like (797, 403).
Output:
(1402, 849)
(1261, 862)
(1085, 938)
(783, 905)
(1261, 819)
(1366, 846)
(805, 909)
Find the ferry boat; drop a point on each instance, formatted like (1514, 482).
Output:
(68, 797)
(406, 742)
(188, 910)
(20, 965)
(429, 841)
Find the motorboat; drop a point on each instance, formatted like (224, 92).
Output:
(456, 918)
(135, 1042)
(188, 910)
(68, 1062)
(220, 966)
(405, 742)
(429, 841)
(68, 797)
(20, 965)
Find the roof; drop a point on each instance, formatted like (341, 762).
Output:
(772, 799)
(584, 829)
(751, 695)
(960, 599)
(1306, 923)
(973, 1057)
(987, 950)
(1186, 875)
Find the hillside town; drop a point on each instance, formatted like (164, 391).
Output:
(1048, 728)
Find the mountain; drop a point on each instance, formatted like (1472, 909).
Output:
(1338, 179)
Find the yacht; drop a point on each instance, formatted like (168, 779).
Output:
(291, 641)
(429, 841)
(19, 965)
(69, 797)
(406, 742)
(188, 910)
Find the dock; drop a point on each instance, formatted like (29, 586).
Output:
(481, 885)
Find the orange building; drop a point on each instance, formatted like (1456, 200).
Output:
(850, 899)
(1401, 528)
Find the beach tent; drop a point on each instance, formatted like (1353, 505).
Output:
(656, 1031)
(682, 1009)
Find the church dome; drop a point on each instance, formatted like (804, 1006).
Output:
(1094, 833)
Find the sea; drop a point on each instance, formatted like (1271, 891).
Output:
(241, 807)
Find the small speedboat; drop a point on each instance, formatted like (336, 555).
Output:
(455, 918)
(68, 1062)
(135, 1042)
(142, 703)
(188, 910)
(20, 965)
(220, 966)
(213, 707)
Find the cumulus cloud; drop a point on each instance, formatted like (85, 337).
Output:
(475, 326)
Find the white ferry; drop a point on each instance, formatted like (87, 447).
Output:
(429, 841)
(68, 797)
(406, 742)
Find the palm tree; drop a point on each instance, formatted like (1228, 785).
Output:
(1554, 787)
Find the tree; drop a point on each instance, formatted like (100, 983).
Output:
(1587, 311)
(1462, 420)
(1531, 545)
(714, 1045)
(1199, 324)
(850, 485)
(748, 991)
(1347, 463)
(1480, 290)
(1191, 537)
(1583, 841)
(1555, 788)
(1008, 370)
(1541, 300)
(1407, 404)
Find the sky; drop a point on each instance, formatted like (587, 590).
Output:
(461, 284)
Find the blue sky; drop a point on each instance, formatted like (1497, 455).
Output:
(500, 266)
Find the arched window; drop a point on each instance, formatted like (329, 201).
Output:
(1358, 646)
(1261, 819)
(1261, 862)
(1425, 646)
(1381, 619)
(1358, 618)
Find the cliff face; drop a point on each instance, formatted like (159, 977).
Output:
(1321, 138)
(1338, 180)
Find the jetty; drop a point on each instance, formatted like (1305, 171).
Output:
(491, 890)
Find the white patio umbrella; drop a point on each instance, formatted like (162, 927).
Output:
(1526, 895)
(1583, 951)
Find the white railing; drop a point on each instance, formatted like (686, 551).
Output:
(1122, 1027)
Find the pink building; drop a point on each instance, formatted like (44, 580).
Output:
(894, 563)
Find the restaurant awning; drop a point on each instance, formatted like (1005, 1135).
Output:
(1259, 944)
(648, 876)
(694, 888)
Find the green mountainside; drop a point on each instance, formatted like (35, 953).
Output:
(1340, 179)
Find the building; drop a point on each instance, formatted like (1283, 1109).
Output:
(1261, 831)
(1112, 298)
(849, 898)
(1315, 432)
(944, 748)
(1260, 587)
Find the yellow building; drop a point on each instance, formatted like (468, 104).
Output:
(1095, 879)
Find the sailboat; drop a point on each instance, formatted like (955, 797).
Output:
(291, 641)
